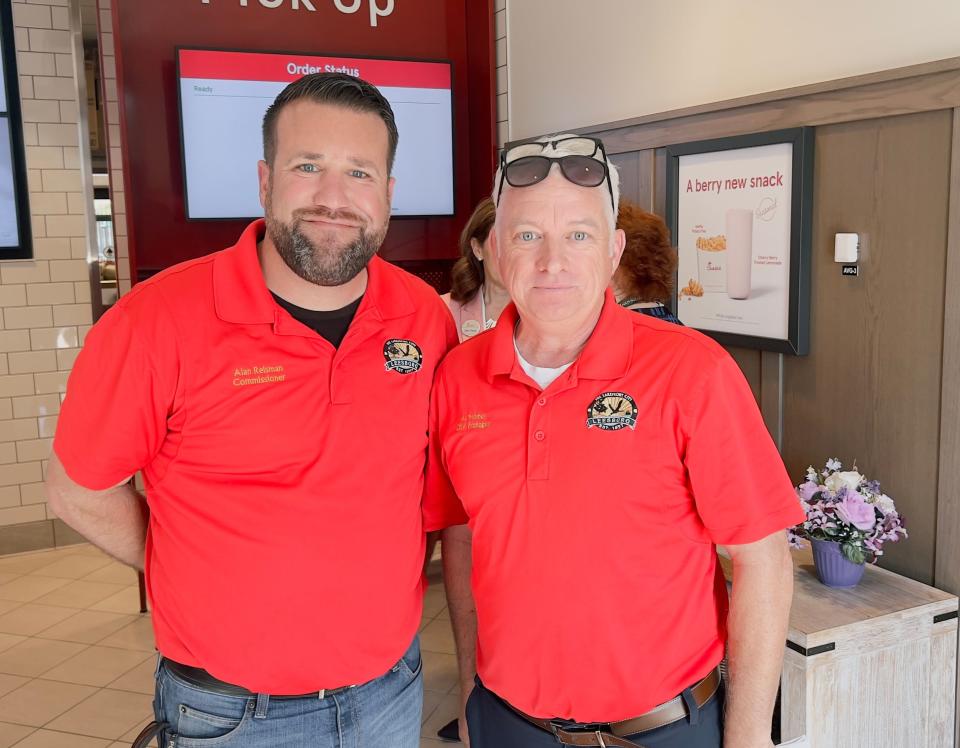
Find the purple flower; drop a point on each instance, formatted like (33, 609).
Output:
(808, 490)
(853, 510)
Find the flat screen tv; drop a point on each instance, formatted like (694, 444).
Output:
(224, 95)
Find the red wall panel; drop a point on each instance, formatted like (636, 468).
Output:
(147, 33)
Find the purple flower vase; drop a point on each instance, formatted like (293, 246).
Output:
(832, 568)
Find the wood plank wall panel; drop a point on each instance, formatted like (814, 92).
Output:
(947, 575)
(936, 91)
(870, 388)
(947, 571)
(628, 166)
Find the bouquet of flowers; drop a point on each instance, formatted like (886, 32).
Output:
(846, 508)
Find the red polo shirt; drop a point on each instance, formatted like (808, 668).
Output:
(284, 477)
(596, 505)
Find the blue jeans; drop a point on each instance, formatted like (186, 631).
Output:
(384, 713)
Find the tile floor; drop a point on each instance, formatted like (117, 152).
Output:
(77, 659)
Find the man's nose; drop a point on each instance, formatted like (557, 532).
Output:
(330, 191)
(551, 257)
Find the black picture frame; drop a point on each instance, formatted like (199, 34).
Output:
(23, 250)
(797, 341)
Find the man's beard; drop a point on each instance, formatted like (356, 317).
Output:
(327, 262)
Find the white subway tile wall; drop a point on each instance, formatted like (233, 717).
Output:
(43, 302)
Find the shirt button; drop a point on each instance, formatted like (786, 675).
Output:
(542, 401)
(539, 436)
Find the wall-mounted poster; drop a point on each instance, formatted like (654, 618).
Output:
(740, 213)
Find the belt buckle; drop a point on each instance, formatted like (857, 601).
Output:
(586, 728)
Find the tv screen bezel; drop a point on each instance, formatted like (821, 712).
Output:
(348, 55)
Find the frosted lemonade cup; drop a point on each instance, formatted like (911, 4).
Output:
(739, 226)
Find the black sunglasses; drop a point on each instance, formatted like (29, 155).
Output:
(523, 165)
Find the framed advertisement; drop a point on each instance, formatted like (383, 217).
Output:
(740, 213)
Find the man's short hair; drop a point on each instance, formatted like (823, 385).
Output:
(563, 149)
(338, 89)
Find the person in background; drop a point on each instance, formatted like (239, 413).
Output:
(275, 395)
(643, 281)
(476, 296)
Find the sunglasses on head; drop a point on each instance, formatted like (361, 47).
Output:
(525, 165)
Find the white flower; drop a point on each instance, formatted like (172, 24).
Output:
(811, 474)
(833, 464)
(847, 479)
(884, 503)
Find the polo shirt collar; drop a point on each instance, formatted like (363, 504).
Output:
(241, 294)
(607, 354)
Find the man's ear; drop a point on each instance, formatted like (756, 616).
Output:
(263, 175)
(619, 242)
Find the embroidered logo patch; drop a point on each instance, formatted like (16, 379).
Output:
(402, 356)
(612, 411)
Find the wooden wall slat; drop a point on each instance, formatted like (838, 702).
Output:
(947, 569)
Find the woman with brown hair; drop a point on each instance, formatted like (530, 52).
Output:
(477, 296)
(644, 280)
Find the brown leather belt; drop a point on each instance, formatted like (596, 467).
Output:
(612, 734)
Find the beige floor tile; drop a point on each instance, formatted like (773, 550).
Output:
(434, 601)
(431, 700)
(437, 636)
(8, 577)
(28, 588)
(86, 627)
(439, 671)
(10, 640)
(73, 566)
(138, 635)
(78, 594)
(127, 600)
(97, 666)
(10, 683)
(106, 714)
(24, 563)
(130, 734)
(33, 657)
(30, 618)
(140, 679)
(51, 739)
(447, 709)
(87, 549)
(10, 734)
(113, 572)
(444, 614)
(7, 605)
(39, 701)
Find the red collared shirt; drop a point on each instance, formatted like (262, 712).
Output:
(596, 505)
(284, 476)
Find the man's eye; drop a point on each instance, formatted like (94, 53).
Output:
(580, 236)
(359, 174)
(308, 168)
(527, 236)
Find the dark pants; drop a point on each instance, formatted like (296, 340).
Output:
(493, 724)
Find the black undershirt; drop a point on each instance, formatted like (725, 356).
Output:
(331, 325)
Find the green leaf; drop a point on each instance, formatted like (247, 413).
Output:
(853, 553)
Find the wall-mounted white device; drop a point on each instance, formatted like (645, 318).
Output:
(846, 248)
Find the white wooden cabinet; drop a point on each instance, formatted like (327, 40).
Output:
(870, 667)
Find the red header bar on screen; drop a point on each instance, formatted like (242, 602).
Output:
(283, 68)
